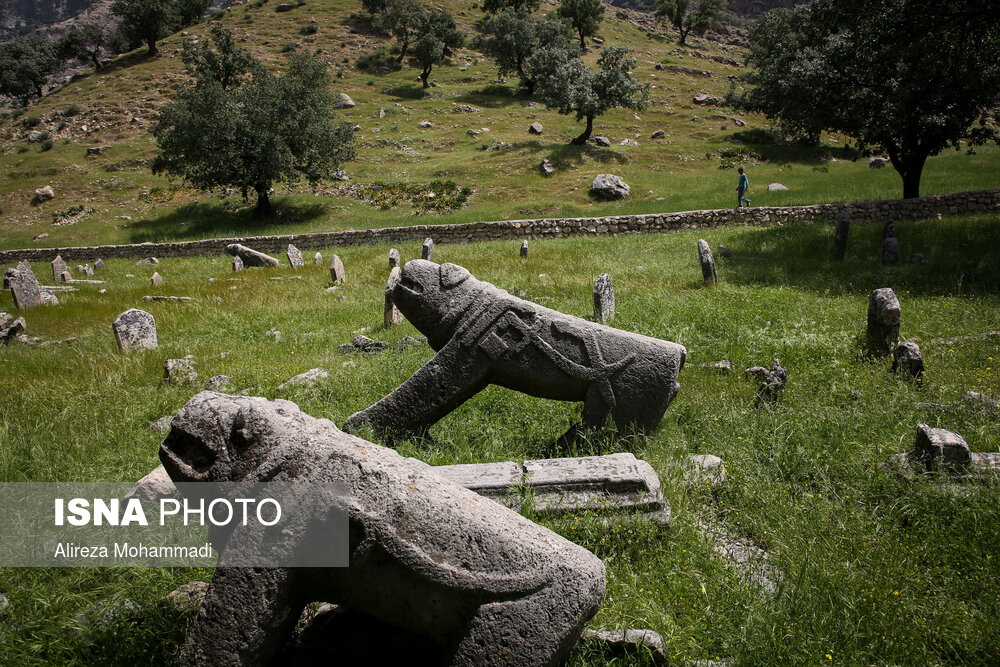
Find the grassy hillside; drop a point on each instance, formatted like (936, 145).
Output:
(113, 197)
(875, 570)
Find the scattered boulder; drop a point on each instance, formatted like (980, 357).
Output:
(840, 235)
(287, 7)
(343, 101)
(148, 261)
(294, 257)
(705, 469)
(311, 376)
(337, 275)
(707, 262)
(42, 195)
(97, 150)
(155, 485)
(393, 258)
(392, 315)
(771, 382)
(273, 334)
(604, 299)
(465, 108)
(180, 371)
(217, 382)
(629, 646)
(705, 99)
(99, 264)
(546, 168)
(524, 249)
(35, 136)
(186, 598)
(427, 250)
(135, 330)
(776, 187)
(535, 128)
(426, 124)
(362, 344)
(409, 341)
(883, 320)
(58, 269)
(473, 133)
(938, 448)
(659, 134)
(609, 186)
(877, 162)
(318, 258)
(14, 332)
(251, 257)
(156, 280)
(600, 140)
(907, 360)
(237, 264)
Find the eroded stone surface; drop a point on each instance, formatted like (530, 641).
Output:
(707, 262)
(609, 186)
(632, 646)
(593, 482)
(26, 290)
(318, 258)
(180, 371)
(604, 299)
(294, 256)
(483, 335)
(311, 376)
(907, 360)
(237, 264)
(337, 274)
(187, 597)
(883, 320)
(427, 249)
(938, 448)
(156, 280)
(393, 258)
(493, 480)
(391, 314)
(770, 382)
(135, 329)
(251, 257)
(435, 559)
(59, 267)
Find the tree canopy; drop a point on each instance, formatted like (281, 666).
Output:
(437, 34)
(145, 21)
(910, 77)
(513, 36)
(256, 129)
(26, 63)
(83, 43)
(687, 18)
(498, 6)
(584, 16)
(568, 85)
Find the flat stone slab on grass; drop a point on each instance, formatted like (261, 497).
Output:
(493, 480)
(311, 376)
(593, 482)
(632, 646)
(150, 297)
(251, 257)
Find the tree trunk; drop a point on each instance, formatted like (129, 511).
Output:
(583, 44)
(910, 166)
(684, 35)
(582, 139)
(97, 61)
(38, 89)
(151, 43)
(402, 51)
(425, 75)
(264, 208)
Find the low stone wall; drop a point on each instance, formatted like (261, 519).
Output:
(878, 211)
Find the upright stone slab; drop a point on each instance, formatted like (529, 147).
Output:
(156, 280)
(486, 585)
(337, 274)
(427, 250)
(99, 264)
(318, 259)
(604, 299)
(251, 257)
(26, 290)
(135, 330)
(392, 314)
(890, 251)
(938, 448)
(524, 249)
(237, 264)
(58, 268)
(907, 360)
(294, 257)
(393, 258)
(707, 262)
(484, 335)
(883, 320)
(840, 235)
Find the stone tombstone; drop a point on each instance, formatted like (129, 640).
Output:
(707, 262)
(883, 320)
(484, 335)
(25, 289)
(87, 270)
(237, 264)
(907, 360)
(59, 267)
(336, 270)
(770, 382)
(393, 258)
(427, 250)
(890, 251)
(318, 259)
(546, 168)
(99, 264)
(937, 448)
(524, 249)
(135, 330)
(604, 299)
(156, 280)
(251, 257)
(294, 257)
(392, 314)
(481, 583)
(840, 235)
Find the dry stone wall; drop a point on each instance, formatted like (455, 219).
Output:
(876, 212)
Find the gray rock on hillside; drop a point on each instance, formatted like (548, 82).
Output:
(294, 257)
(337, 274)
(609, 186)
(770, 382)
(705, 99)
(42, 195)
(883, 320)
(180, 371)
(776, 187)
(251, 257)
(440, 561)
(659, 134)
(600, 140)
(343, 101)
(907, 360)
(135, 330)
(545, 168)
(362, 344)
(218, 382)
(427, 249)
(148, 261)
(311, 376)
(877, 162)
(604, 299)
(156, 280)
(318, 259)
(99, 264)
(535, 128)
(707, 262)
(25, 288)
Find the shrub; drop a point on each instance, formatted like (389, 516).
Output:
(31, 121)
(46, 145)
(71, 111)
(288, 47)
(309, 29)
(22, 149)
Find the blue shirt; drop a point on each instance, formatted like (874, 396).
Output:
(744, 182)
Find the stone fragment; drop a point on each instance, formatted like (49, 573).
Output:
(311, 376)
(251, 257)
(218, 382)
(599, 140)
(362, 344)
(609, 186)
(392, 315)
(546, 168)
(427, 249)
(981, 401)
(708, 273)
(840, 235)
(157, 484)
(148, 261)
(883, 320)
(634, 647)
(161, 424)
(439, 560)
(79, 268)
(524, 249)
(484, 335)
(135, 330)
(26, 290)
(776, 187)
(465, 108)
(5, 319)
(58, 269)
(97, 150)
(285, 7)
(409, 341)
(294, 257)
(180, 371)
(42, 195)
(318, 259)
(535, 128)
(425, 124)
(877, 162)
(939, 449)
(186, 598)
(705, 99)
(65, 277)
(628, 142)
(343, 101)
(9, 334)
(890, 251)
(173, 299)
(336, 270)
(573, 484)
(659, 134)
(705, 469)
(725, 252)
(99, 264)
(907, 360)
(393, 258)
(771, 382)
(604, 299)
(273, 334)
(237, 264)
(156, 280)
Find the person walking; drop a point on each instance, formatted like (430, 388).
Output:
(741, 189)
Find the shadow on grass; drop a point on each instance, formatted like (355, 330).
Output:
(407, 92)
(961, 258)
(198, 221)
(563, 154)
(772, 149)
(494, 96)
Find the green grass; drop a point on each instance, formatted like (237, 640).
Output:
(876, 570)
